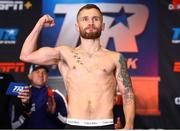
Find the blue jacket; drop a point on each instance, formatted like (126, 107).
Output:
(6, 100)
(40, 118)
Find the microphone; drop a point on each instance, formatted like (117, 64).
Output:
(15, 88)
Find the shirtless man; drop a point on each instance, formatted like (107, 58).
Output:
(92, 74)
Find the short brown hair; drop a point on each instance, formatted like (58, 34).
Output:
(89, 6)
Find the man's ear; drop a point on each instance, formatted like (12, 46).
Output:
(103, 26)
(77, 26)
(30, 76)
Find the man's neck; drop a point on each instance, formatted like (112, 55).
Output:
(38, 86)
(90, 45)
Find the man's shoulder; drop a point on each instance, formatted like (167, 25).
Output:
(112, 53)
(65, 50)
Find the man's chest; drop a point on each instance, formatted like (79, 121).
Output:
(91, 63)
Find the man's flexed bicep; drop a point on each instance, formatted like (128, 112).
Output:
(124, 85)
(29, 52)
(43, 56)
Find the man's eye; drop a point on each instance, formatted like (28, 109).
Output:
(85, 19)
(96, 18)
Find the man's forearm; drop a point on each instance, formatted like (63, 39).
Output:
(129, 110)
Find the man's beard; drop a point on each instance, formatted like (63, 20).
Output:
(91, 35)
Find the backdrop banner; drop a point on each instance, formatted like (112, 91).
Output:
(147, 33)
(17, 19)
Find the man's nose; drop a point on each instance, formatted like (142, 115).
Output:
(40, 74)
(90, 21)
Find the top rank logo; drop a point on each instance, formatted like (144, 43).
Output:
(6, 5)
(176, 36)
(8, 35)
(175, 5)
(18, 88)
(15, 88)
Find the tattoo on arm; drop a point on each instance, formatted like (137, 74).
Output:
(123, 73)
(128, 96)
(123, 76)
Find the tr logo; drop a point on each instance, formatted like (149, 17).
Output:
(176, 36)
(8, 36)
(18, 88)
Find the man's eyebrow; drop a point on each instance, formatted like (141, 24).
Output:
(88, 16)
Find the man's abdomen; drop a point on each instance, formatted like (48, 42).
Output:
(91, 107)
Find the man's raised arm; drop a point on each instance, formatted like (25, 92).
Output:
(125, 87)
(45, 55)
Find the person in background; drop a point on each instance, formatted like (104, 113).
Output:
(119, 118)
(20, 102)
(47, 103)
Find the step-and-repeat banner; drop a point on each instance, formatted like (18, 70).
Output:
(17, 18)
(146, 32)
(169, 62)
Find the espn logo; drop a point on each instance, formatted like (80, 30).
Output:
(6, 5)
(175, 5)
(177, 100)
(12, 66)
(14, 5)
(176, 67)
